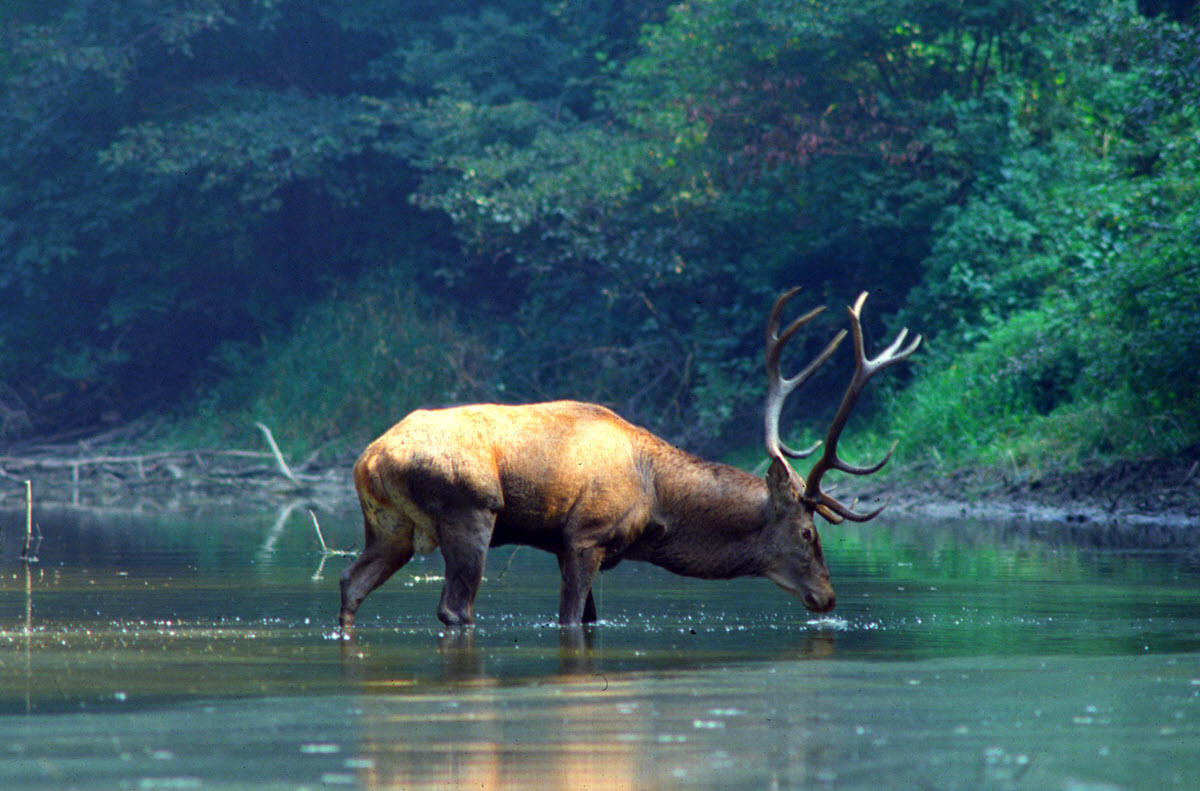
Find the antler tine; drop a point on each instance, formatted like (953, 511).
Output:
(864, 369)
(888, 357)
(780, 387)
(836, 513)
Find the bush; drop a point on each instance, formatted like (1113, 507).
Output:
(352, 366)
(1026, 396)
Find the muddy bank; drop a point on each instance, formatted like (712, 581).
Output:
(1162, 492)
(1157, 491)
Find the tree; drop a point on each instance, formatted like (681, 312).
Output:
(178, 180)
(745, 147)
(1063, 296)
(607, 194)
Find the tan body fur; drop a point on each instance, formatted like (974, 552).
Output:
(576, 480)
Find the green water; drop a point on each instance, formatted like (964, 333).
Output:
(198, 651)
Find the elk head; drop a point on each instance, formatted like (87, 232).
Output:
(800, 567)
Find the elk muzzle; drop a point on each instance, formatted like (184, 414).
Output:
(820, 601)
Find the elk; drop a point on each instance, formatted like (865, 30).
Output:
(576, 480)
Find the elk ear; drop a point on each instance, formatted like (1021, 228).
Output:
(784, 485)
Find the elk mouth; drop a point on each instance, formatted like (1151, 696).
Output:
(819, 604)
(818, 601)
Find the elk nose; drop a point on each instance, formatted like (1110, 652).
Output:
(819, 604)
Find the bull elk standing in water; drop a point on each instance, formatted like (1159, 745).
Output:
(576, 480)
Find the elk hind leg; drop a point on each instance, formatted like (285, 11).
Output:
(464, 540)
(377, 563)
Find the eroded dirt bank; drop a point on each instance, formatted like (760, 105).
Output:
(1160, 493)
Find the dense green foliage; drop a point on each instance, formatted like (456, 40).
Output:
(325, 214)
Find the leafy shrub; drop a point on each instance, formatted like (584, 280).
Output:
(353, 365)
(1001, 398)
(1028, 395)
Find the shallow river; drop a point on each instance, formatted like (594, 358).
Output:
(148, 652)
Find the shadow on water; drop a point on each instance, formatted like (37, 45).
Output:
(199, 650)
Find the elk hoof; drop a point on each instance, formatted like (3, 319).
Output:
(453, 618)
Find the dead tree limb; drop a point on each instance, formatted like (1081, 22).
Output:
(283, 465)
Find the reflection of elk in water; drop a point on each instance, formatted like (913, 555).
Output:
(576, 480)
(587, 726)
(583, 729)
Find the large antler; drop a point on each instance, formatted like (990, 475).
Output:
(864, 369)
(779, 388)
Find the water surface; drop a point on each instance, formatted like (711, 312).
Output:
(198, 651)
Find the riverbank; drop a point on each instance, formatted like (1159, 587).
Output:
(1162, 492)
(1156, 491)
(121, 475)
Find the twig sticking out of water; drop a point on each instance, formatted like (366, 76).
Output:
(26, 552)
(508, 565)
(326, 552)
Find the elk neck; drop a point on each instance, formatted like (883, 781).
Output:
(709, 517)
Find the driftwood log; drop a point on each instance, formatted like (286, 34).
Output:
(85, 474)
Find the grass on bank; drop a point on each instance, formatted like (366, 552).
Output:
(1025, 400)
(365, 357)
(354, 365)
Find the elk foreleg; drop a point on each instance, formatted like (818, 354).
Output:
(579, 569)
(464, 540)
(378, 561)
(589, 606)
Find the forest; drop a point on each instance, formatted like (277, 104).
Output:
(321, 215)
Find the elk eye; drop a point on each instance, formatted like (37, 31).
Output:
(806, 534)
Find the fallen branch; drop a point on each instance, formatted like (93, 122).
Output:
(73, 474)
(139, 461)
(283, 466)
